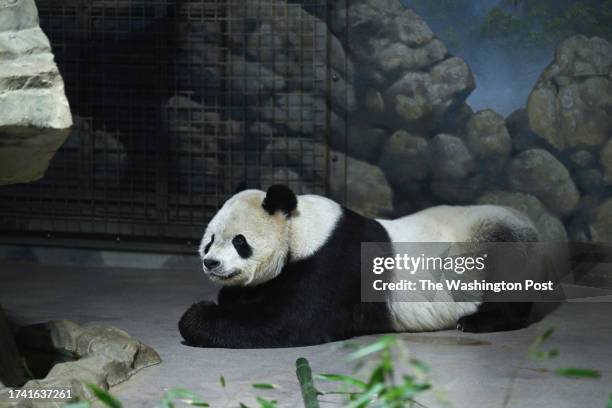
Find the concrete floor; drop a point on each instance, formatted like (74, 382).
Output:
(469, 370)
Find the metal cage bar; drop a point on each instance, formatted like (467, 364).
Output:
(177, 105)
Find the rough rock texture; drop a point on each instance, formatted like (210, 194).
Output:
(487, 136)
(286, 176)
(11, 372)
(537, 172)
(383, 71)
(369, 194)
(522, 136)
(570, 104)
(606, 162)
(34, 113)
(365, 142)
(104, 356)
(422, 99)
(594, 223)
(601, 226)
(104, 151)
(551, 229)
(451, 158)
(407, 88)
(405, 158)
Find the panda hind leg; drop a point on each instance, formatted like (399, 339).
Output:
(497, 316)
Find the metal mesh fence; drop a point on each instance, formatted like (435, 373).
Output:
(177, 105)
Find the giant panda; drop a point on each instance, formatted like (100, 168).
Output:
(290, 269)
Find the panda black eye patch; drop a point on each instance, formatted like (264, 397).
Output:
(207, 247)
(242, 246)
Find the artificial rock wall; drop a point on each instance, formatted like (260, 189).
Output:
(413, 142)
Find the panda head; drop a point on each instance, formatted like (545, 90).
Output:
(247, 241)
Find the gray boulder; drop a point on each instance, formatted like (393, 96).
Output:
(590, 180)
(103, 355)
(458, 191)
(405, 158)
(104, 151)
(539, 173)
(364, 142)
(251, 77)
(422, 98)
(406, 74)
(522, 136)
(581, 158)
(286, 176)
(569, 105)
(367, 189)
(360, 185)
(186, 119)
(451, 159)
(551, 229)
(399, 56)
(595, 223)
(374, 101)
(606, 162)
(375, 23)
(34, 114)
(487, 135)
(601, 225)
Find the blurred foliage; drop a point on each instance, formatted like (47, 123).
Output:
(520, 23)
(544, 22)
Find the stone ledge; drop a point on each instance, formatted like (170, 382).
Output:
(103, 355)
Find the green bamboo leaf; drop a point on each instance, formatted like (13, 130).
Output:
(307, 387)
(542, 337)
(578, 372)
(418, 364)
(383, 343)
(264, 403)
(104, 396)
(186, 396)
(222, 381)
(377, 376)
(365, 398)
(347, 379)
(609, 405)
(264, 386)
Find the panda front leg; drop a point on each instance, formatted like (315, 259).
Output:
(497, 316)
(206, 324)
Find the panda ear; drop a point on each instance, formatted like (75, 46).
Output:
(279, 197)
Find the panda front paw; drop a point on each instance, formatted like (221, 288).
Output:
(478, 323)
(192, 325)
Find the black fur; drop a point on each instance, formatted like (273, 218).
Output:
(500, 316)
(242, 246)
(207, 247)
(279, 197)
(312, 301)
(497, 316)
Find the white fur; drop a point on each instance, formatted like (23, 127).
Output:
(267, 234)
(311, 225)
(274, 238)
(440, 224)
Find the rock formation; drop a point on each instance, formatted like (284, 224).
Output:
(35, 116)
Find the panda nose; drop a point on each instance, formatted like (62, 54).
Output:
(211, 263)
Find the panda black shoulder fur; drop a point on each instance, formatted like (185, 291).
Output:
(290, 269)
